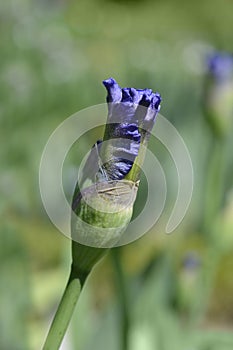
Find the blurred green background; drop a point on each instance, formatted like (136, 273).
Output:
(53, 57)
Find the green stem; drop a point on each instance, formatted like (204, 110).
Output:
(123, 298)
(64, 313)
(214, 190)
(214, 185)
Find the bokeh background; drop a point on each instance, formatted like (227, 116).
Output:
(53, 57)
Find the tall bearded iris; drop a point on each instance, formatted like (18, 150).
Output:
(104, 196)
(104, 204)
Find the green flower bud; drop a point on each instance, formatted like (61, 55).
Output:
(218, 95)
(103, 214)
(104, 197)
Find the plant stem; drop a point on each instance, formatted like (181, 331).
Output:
(211, 228)
(64, 313)
(123, 298)
(214, 185)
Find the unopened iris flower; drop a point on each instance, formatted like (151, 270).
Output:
(104, 196)
(104, 204)
(218, 94)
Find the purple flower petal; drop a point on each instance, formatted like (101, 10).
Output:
(129, 110)
(114, 91)
(126, 95)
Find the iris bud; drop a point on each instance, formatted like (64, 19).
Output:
(218, 94)
(104, 197)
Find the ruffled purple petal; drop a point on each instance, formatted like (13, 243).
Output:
(118, 168)
(121, 112)
(126, 96)
(156, 101)
(123, 147)
(125, 130)
(129, 111)
(114, 91)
